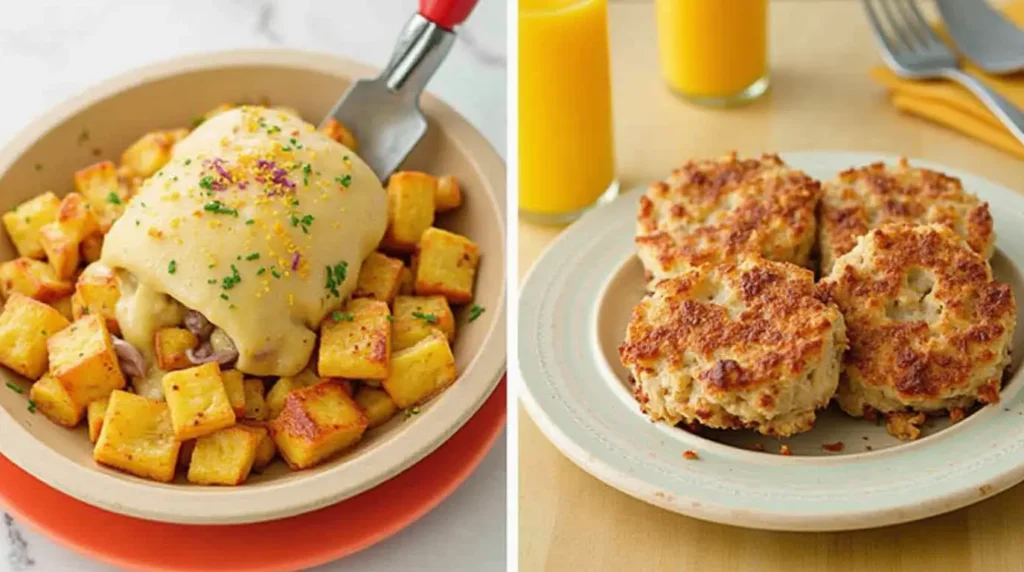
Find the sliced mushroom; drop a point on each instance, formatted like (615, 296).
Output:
(219, 349)
(129, 358)
(197, 323)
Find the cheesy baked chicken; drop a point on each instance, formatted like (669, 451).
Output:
(251, 234)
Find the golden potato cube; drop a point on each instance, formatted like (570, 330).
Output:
(410, 209)
(335, 130)
(379, 278)
(53, 401)
(266, 450)
(23, 223)
(96, 293)
(356, 343)
(100, 185)
(171, 345)
(317, 422)
(223, 457)
(285, 385)
(449, 195)
(91, 248)
(198, 401)
(420, 372)
(377, 404)
(25, 325)
(255, 402)
(416, 316)
(94, 415)
(63, 305)
(76, 218)
(137, 437)
(61, 250)
(405, 282)
(446, 265)
(82, 359)
(151, 152)
(236, 390)
(32, 278)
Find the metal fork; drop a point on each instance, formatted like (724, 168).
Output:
(912, 50)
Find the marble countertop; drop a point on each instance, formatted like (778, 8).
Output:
(51, 49)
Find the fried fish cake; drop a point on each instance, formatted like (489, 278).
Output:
(929, 328)
(717, 210)
(868, 197)
(739, 345)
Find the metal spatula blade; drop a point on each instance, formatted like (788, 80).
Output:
(384, 113)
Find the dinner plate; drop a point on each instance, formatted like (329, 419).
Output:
(102, 121)
(574, 307)
(295, 543)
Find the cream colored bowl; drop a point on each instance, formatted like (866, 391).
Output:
(46, 154)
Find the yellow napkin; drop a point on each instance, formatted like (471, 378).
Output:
(949, 104)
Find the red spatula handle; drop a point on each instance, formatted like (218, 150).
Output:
(446, 13)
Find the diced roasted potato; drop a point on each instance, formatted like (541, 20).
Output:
(137, 437)
(410, 209)
(420, 372)
(91, 248)
(316, 423)
(446, 265)
(285, 385)
(103, 191)
(23, 223)
(63, 305)
(416, 316)
(94, 414)
(77, 218)
(235, 389)
(82, 359)
(377, 404)
(25, 325)
(266, 450)
(171, 345)
(151, 152)
(379, 278)
(53, 401)
(197, 401)
(61, 251)
(96, 293)
(32, 278)
(335, 130)
(449, 195)
(356, 343)
(255, 402)
(405, 282)
(224, 457)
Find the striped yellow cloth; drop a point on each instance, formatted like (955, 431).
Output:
(949, 104)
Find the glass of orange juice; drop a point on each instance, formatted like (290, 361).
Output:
(714, 52)
(566, 149)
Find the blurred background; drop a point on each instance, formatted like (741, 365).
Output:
(53, 49)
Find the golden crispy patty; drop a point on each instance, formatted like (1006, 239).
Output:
(716, 210)
(744, 344)
(868, 197)
(929, 329)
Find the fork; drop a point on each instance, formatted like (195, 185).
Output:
(912, 50)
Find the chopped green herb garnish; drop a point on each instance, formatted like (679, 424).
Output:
(31, 406)
(198, 121)
(344, 180)
(172, 267)
(273, 129)
(223, 296)
(412, 411)
(303, 222)
(250, 221)
(390, 318)
(336, 277)
(113, 198)
(295, 202)
(261, 271)
(15, 388)
(211, 281)
(253, 256)
(275, 273)
(339, 316)
(188, 162)
(428, 318)
(219, 208)
(475, 311)
(286, 148)
(229, 282)
(207, 182)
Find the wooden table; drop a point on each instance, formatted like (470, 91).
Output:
(820, 99)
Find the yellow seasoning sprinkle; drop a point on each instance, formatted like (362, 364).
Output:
(155, 233)
(291, 297)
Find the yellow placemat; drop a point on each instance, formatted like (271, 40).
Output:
(949, 104)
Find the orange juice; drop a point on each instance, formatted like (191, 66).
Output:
(566, 156)
(714, 51)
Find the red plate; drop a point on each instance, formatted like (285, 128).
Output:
(293, 543)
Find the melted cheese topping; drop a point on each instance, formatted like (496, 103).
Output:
(260, 223)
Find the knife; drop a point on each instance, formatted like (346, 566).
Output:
(982, 34)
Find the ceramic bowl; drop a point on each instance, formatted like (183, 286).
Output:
(118, 111)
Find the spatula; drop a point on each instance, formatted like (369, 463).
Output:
(384, 113)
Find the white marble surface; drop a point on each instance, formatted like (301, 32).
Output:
(50, 49)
